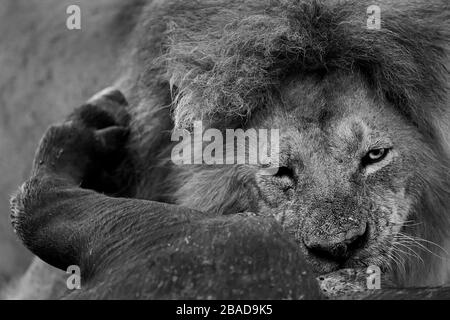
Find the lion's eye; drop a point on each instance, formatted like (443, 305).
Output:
(374, 156)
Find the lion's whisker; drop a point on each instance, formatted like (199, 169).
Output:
(414, 254)
(398, 260)
(416, 241)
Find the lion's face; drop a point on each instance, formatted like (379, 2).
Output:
(348, 172)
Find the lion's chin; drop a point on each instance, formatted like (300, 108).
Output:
(324, 266)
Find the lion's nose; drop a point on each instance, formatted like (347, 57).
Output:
(339, 247)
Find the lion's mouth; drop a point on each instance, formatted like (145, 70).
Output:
(330, 257)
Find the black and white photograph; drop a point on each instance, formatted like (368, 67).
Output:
(241, 151)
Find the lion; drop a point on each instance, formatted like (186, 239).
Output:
(363, 117)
